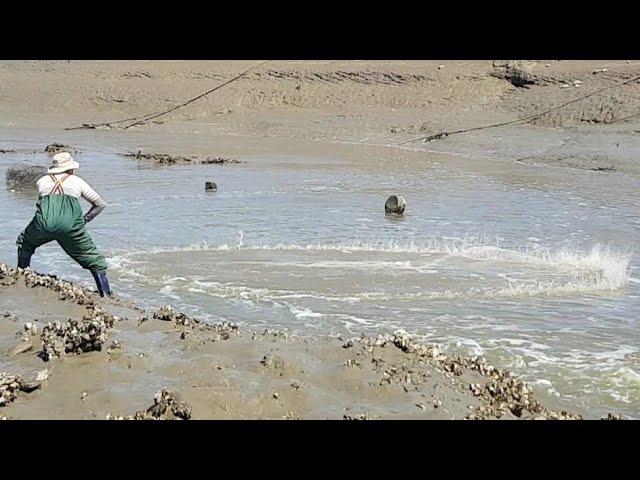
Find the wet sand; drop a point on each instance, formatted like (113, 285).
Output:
(221, 372)
(316, 104)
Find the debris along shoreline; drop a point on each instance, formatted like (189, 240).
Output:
(51, 149)
(166, 159)
(193, 369)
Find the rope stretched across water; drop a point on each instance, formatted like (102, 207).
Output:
(139, 120)
(440, 135)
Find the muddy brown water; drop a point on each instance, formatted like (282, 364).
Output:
(533, 266)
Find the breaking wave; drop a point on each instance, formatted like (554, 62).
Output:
(574, 271)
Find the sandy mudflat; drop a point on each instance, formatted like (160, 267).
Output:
(368, 102)
(221, 372)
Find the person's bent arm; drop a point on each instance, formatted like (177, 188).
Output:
(96, 201)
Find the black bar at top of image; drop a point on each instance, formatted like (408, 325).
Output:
(398, 33)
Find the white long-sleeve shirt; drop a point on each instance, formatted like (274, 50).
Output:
(74, 186)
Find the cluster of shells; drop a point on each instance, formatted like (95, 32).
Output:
(272, 362)
(165, 407)
(359, 416)
(168, 314)
(57, 147)
(76, 336)
(401, 374)
(11, 385)
(222, 331)
(65, 290)
(612, 416)
(8, 275)
(501, 394)
(9, 317)
(272, 334)
(505, 393)
(166, 159)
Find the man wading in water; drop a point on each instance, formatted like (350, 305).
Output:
(59, 217)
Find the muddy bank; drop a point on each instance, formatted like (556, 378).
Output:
(369, 102)
(318, 99)
(105, 358)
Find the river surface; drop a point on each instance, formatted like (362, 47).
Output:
(535, 267)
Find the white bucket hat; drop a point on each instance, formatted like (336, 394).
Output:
(62, 162)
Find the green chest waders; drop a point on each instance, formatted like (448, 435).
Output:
(59, 217)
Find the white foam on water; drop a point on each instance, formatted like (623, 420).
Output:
(547, 385)
(600, 269)
(628, 374)
(352, 318)
(124, 265)
(473, 347)
(173, 280)
(167, 291)
(300, 313)
(625, 385)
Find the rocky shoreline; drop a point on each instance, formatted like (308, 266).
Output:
(267, 374)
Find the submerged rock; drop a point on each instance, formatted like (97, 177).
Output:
(24, 176)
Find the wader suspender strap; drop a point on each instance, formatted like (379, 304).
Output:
(57, 188)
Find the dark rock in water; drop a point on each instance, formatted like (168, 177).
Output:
(395, 204)
(210, 187)
(2, 150)
(23, 175)
(59, 147)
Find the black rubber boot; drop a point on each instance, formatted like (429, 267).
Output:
(24, 259)
(102, 282)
